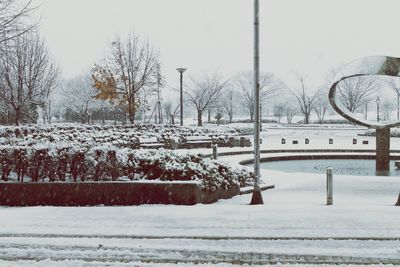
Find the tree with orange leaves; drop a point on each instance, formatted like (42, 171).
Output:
(129, 70)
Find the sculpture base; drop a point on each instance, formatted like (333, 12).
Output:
(382, 151)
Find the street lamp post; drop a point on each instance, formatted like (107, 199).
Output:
(398, 105)
(377, 108)
(257, 196)
(181, 71)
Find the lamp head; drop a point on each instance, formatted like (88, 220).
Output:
(181, 70)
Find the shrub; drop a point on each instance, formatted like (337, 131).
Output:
(109, 163)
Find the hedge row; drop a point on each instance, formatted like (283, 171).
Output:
(394, 132)
(108, 163)
(120, 136)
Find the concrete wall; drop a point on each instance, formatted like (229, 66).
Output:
(107, 193)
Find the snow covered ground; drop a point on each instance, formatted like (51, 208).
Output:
(293, 228)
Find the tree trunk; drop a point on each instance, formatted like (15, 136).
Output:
(18, 116)
(124, 118)
(306, 119)
(199, 118)
(131, 116)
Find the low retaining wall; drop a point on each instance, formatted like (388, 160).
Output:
(274, 151)
(311, 157)
(108, 193)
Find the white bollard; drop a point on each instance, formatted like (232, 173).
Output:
(215, 152)
(329, 186)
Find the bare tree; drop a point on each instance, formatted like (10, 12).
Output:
(388, 107)
(228, 105)
(354, 92)
(130, 69)
(269, 85)
(12, 15)
(203, 92)
(78, 97)
(394, 84)
(279, 110)
(290, 112)
(170, 111)
(27, 76)
(321, 105)
(305, 99)
(218, 117)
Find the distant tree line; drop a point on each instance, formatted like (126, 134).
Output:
(122, 86)
(27, 74)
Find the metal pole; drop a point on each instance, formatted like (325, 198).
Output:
(257, 196)
(181, 98)
(181, 71)
(231, 107)
(377, 108)
(329, 186)
(398, 105)
(366, 111)
(159, 96)
(215, 151)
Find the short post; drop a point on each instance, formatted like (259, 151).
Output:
(398, 201)
(215, 151)
(329, 186)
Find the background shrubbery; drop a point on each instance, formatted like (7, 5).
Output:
(394, 132)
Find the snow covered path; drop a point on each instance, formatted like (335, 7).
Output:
(192, 251)
(293, 227)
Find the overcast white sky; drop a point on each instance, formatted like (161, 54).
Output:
(305, 36)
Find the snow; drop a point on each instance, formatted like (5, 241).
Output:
(293, 228)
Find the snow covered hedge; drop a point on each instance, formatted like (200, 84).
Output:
(109, 163)
(394, 132)
(122, 136)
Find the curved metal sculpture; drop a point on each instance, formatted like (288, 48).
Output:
(375, 65)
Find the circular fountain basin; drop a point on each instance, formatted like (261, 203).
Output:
(358, 167)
